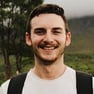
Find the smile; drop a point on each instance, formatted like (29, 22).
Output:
(48, 47)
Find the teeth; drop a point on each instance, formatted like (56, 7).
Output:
(47, 48)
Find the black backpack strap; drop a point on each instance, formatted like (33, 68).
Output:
(84, 83)
(16, 84)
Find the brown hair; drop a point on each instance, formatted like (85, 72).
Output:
(47, 8)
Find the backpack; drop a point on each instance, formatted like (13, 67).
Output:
(83, 83)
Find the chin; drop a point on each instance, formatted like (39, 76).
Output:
(47, 61)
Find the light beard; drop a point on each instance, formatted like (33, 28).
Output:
(47, 62)
(44, 61)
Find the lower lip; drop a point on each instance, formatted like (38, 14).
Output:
(48, 50)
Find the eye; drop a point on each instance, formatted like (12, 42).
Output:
(57, 31)
(39, 31)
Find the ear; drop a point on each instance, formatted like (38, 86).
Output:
(68, 38)
(28, 39)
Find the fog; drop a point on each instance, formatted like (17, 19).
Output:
(75, 8)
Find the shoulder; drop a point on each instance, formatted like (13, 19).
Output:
(14, 81)
(93, 82)
(4, 87)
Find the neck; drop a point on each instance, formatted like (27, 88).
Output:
(52, 71)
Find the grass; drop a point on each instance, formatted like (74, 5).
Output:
(79, 61)
(1, 69)
(82, 62)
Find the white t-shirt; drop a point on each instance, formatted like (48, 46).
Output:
(65, 84)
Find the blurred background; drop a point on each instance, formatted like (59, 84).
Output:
(16, 57)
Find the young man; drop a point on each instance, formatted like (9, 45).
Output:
(49, 35)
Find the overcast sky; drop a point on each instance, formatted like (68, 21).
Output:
(75, 8)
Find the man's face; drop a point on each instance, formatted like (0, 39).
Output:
(48, 37)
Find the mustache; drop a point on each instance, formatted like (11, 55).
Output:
(42, 45)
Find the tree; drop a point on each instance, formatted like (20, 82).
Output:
(4, 35)
(13, 15)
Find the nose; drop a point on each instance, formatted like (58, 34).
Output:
(48, 37)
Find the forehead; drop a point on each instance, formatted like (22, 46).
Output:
(47, 20)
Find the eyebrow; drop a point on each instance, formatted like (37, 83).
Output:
(57, 28)
(54, 28)
(39, 29)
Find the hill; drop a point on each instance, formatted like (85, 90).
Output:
(82, 35)
(80, 54)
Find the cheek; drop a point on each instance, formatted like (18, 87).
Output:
(62, 39)
(35, 40)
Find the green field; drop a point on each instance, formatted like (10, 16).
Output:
(80, 54)
(78, 61)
